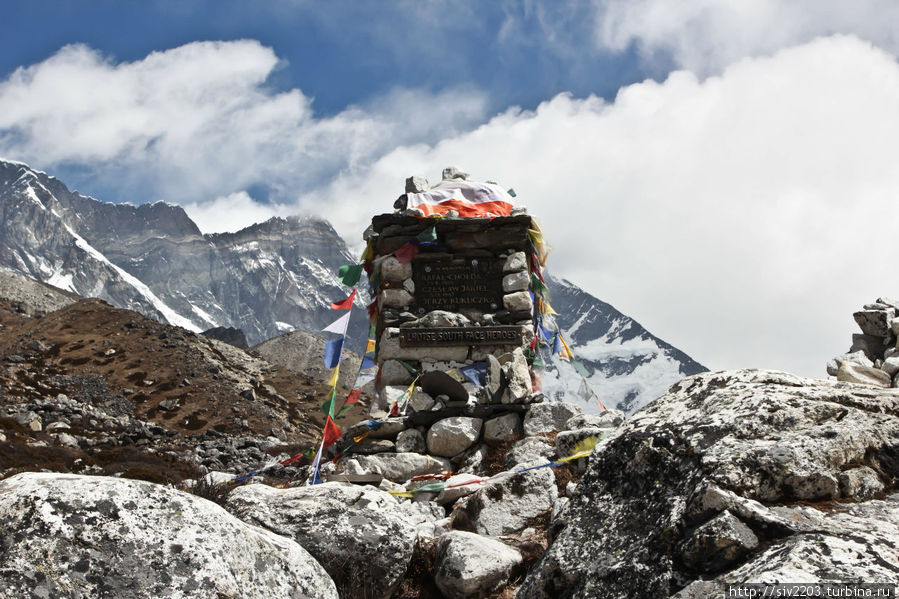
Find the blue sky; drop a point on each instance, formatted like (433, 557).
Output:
(710, 167)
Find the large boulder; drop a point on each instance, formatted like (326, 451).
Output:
(397, 467)
(471, 566)
(509, 504)
(361, 535)
(451, 436)
(647, 519)
(549, 417)
(67, 535)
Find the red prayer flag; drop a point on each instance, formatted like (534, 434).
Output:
(331, 433)
(406, 253)
(353, 397)
(345, 304)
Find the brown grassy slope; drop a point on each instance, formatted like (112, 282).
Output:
(150, 363)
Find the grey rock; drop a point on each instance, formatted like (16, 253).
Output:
(852, 373)
(470, 566)
(728, 441)
(411, 441)
(453, 172)
(529, 449)
(518, 302)
(517, 377)
(451, 436)
(875, 322)
(394, 298)
(857, 542)
(474, 460)
(516, 262)
(395, 271)
(494, 375)
(370, 446)
(441, 318)
(416, 184)
(503, 428)
(607, 419)
(359, 534)
(872, 346)
(111, 537)
(458, 485)
(29, 420)
(507, 505)
(421, 402)
(717, 543)
(549, 416)
(516, 281)
(857, 357)
(394, 373)
(860, 483)
(389, 428)
(890, 365)
(397, 467)
(170, 404)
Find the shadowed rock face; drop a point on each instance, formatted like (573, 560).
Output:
(733, 476)
(229, 335)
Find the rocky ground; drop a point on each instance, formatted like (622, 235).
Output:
(116, 432)
(88, 388)
(745, 476)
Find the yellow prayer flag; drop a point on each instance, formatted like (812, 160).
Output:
(333, 381)
(369, 252)
(454, 372)
(370, 346)
(567, 349)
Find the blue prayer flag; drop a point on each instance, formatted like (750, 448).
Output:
(332, 352)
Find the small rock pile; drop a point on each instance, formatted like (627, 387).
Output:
(873, 358)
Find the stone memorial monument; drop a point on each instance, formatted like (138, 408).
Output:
(452, 311)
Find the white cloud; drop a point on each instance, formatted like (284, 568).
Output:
(742, 218)
(231, 213)
(199, 121)
(704, 36)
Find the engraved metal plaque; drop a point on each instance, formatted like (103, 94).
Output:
(458, 284)
(439, 336)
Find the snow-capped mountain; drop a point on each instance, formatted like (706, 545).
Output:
(271, 278)
(628, 366)
(267, 279)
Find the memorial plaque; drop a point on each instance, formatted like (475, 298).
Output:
(458, 284)
(439, 336)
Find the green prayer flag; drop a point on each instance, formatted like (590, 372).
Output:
(537, 285)
(344, 410)
(538, 361)
(328, 405)
(580, 368)
(511, 192)
(429, 234)
(412, 370)
(349, 274)
(430, 488)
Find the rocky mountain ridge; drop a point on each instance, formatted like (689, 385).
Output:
(267, 279)
(270, 278)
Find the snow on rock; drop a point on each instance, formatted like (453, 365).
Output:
(67, 535)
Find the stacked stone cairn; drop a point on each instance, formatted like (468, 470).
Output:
(873, 358)
(461, 303)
